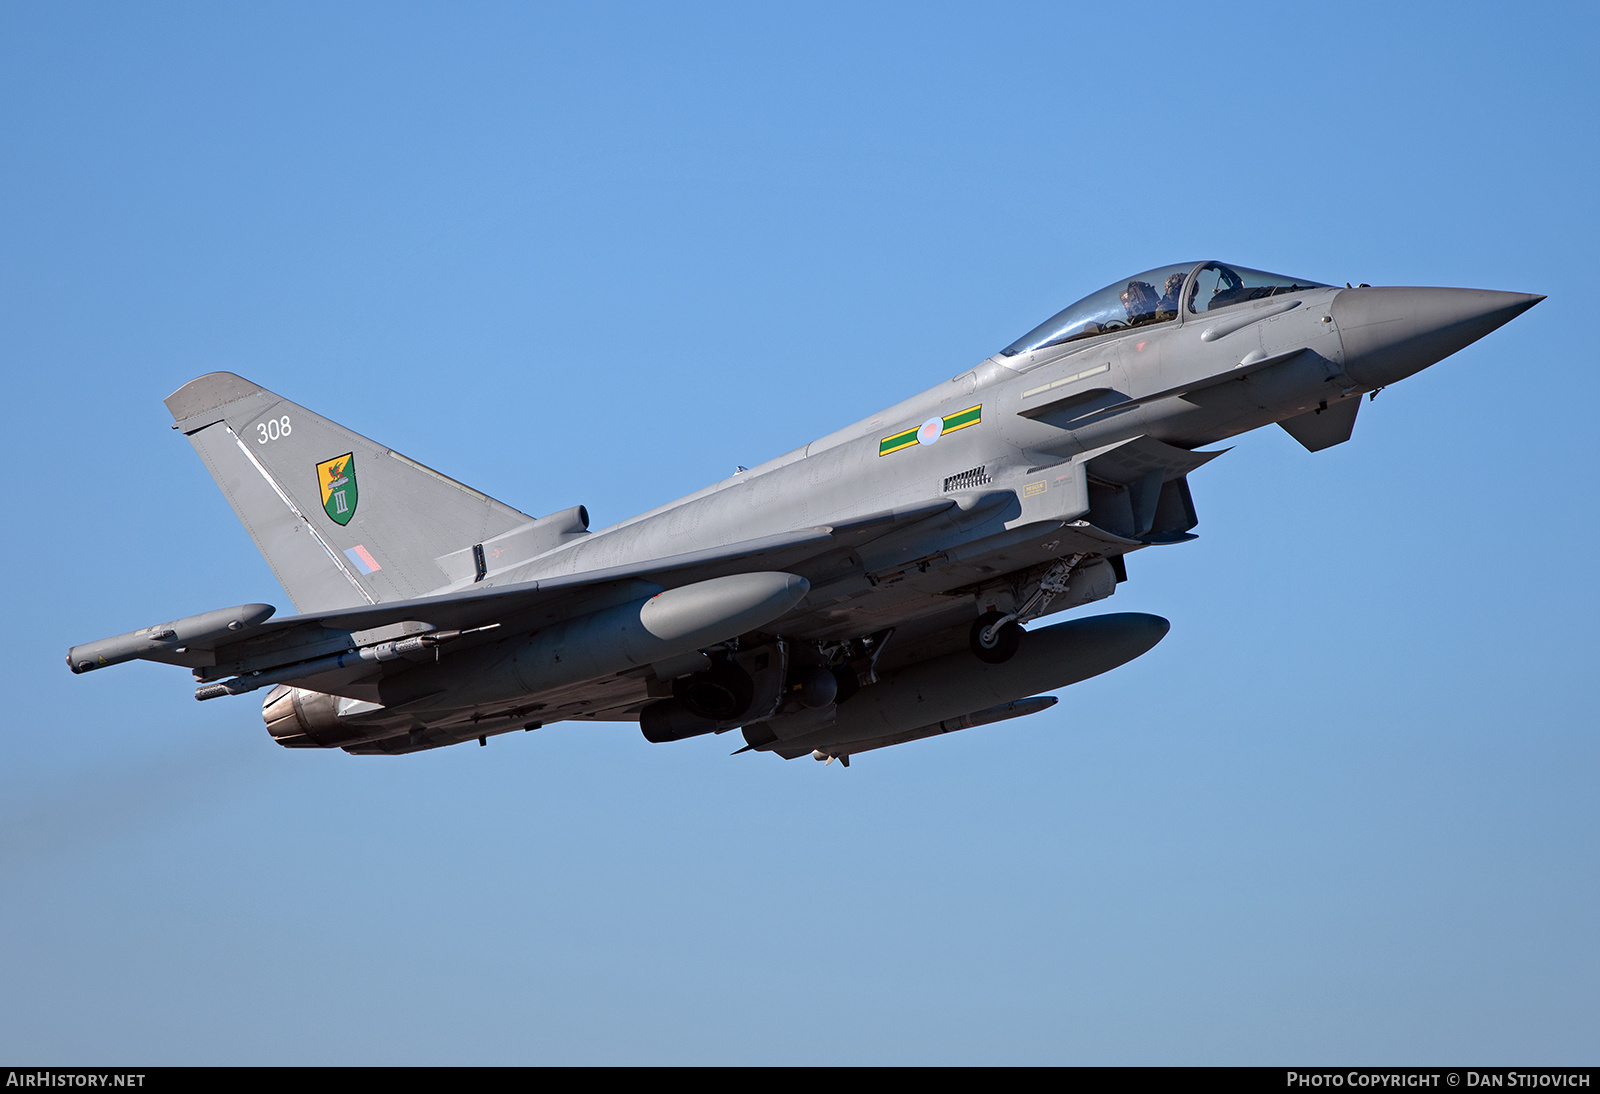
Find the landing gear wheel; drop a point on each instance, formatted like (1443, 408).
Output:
(1001, 646)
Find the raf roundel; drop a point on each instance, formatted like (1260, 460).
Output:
(929, 431)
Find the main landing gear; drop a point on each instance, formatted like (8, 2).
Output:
(994, 637)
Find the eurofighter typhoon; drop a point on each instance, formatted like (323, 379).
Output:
(866, 590)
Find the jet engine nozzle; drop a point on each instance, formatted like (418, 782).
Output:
(1391, 333)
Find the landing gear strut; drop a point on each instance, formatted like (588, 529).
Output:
(995, 637)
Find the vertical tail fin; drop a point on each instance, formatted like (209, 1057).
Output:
(341, 520)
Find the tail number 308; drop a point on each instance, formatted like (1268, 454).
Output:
(272, 429)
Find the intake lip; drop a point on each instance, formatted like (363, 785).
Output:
(1391, 333)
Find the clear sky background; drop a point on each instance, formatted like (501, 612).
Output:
(600, 254)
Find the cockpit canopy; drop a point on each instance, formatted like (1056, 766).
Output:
(1154, 297)
(1218, 286)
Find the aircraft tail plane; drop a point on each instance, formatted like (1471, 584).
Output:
(342, 520)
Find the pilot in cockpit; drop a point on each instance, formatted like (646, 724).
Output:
(1141, 302)
(1168, 308)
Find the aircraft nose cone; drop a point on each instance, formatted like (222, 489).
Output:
(1390, 333)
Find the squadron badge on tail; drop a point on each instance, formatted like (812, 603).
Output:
(337, 480)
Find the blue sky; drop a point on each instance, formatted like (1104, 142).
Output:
(1345, 812)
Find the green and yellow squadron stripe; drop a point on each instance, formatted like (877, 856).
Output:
(962, 419)
(897, 442)
(947, 424)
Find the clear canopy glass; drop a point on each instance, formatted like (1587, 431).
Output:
(1218, 286)
(1151, 297)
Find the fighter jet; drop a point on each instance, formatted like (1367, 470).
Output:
(866, 590)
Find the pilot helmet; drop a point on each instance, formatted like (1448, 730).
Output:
(1169, 299)
(1139, 299)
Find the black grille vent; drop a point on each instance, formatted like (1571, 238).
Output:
(966, 480)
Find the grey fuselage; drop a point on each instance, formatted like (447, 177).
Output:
(1019, 442)
(1078, 450)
